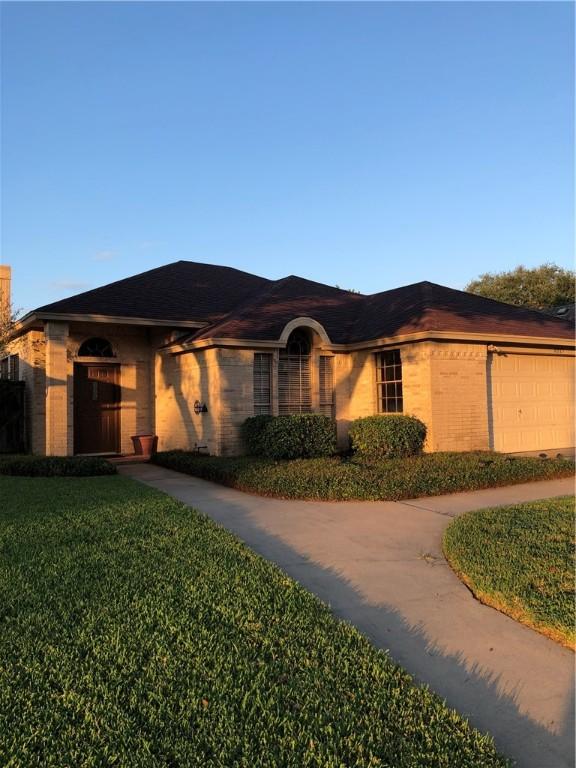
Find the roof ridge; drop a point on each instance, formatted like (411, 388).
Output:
(248, 301)
(324, 285)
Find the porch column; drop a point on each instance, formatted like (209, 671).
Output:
(56, 388)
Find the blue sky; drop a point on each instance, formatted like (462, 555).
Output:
(368, 145)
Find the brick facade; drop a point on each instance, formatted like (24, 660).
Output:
(444, 384)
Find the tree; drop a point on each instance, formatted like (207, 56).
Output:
(540, 287)
(8, 318)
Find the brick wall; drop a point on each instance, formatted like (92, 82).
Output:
(181, 380)
(31, 350)
(444, 385)
(459, 402)
(237, 396)
(57, 387)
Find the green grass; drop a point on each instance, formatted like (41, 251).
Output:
(520, 560)
(136, 632)
(338, 479)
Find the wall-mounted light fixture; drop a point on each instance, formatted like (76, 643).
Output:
(200, 407)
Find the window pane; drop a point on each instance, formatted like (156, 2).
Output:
(14, 367)
(389, 381)
(326, 385)
(262, 383)
(294, 385)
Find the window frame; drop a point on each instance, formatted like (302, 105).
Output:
(262, 408)
(14, 367)
(288, 362)
(84, 349)
(385, 384)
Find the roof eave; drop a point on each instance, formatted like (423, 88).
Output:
(35, 317)
(428, 335)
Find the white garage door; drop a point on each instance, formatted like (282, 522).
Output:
(532, 402)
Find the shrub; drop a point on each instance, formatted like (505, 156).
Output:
(336, 479)
(388, 437)
(297, 436)
(55, 466)
(252, 432)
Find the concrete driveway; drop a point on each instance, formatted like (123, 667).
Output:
(380, 566)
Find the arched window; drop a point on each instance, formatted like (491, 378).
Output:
(298, 343)
(96, 348)
(294, 381)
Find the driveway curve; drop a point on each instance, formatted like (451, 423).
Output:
(380, 566)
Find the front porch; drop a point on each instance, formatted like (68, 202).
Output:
(99, 388)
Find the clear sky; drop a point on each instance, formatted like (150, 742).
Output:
(368, 145)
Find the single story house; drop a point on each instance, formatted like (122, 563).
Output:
(188, 351)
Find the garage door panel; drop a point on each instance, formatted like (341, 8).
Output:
(532, 402)
(543, 390)
(560, 389)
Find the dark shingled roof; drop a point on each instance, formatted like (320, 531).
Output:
(264, 315)
(430, 307)
(235, 304)
(349, 317)
(184, 290)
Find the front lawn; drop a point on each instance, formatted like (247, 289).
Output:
(136, 632)
(520, 560)
(345, 479)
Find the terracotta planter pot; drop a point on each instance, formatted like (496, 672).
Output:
(145, 445)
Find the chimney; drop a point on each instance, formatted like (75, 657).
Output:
(5, 297)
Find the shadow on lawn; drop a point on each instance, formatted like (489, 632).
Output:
(473, 691)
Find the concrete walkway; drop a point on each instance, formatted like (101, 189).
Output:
(380, 566)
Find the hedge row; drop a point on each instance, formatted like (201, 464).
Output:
(339, 479)
(55, 466)
(301, 436)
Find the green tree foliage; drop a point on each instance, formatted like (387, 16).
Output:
(546, 286)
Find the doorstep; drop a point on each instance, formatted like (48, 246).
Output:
(132, 458)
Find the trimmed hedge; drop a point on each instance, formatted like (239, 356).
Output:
(55, 466)
(388, 437)
(252, 434)
(337, 479)
(290, 437)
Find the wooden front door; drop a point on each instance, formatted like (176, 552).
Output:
(96, 408)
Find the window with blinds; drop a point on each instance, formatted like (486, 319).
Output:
(262, 383)
(326, 385)
(389, 381)
(294, 377)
